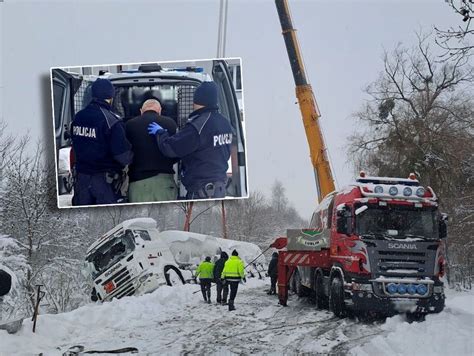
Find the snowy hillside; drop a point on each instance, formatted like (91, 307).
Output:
(174, 320)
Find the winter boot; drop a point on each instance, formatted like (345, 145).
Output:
(224, 302)
(231, 305)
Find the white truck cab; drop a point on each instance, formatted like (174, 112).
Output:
(130, 259)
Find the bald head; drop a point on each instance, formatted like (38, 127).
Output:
(151, 104)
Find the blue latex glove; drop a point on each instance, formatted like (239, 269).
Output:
(154, 128)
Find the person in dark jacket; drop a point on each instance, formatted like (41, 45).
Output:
(203, 146)
(273, 273)
(101, 150)
(151, 173)
(220, 290)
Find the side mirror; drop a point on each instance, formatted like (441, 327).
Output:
(343, 221)
(443, 226)
(5, 283)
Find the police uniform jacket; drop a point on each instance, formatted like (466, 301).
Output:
(98, 140)
(203, 145)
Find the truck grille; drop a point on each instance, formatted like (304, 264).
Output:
(397, 262)
(123, 284)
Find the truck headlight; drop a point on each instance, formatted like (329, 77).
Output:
(393, 191)
(420, 192)
(407, 191)
(421, 289)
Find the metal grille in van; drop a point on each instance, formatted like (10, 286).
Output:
(185, 103)
(83, 96)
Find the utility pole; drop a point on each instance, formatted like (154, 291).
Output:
(222, 32)
(221, 40)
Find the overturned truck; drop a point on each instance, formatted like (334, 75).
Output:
(136, 258)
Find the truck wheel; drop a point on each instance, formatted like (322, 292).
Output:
(173, 276)
(321, 299)
(336, 298)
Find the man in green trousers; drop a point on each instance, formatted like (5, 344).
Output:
(151, 174)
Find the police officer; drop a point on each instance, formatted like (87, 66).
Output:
(205, 272)
(203, 146)
(101, 149)
(233, 273)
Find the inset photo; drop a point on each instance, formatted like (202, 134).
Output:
(149, 132)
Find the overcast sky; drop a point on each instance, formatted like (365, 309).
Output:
(342, 44)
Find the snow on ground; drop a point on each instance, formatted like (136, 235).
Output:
(174, 320)
(448, 333)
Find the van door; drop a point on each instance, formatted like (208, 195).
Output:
(64, 86)
(229, 107)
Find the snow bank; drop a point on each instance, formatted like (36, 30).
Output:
(131, 321)
(449, 333)
(93, 323)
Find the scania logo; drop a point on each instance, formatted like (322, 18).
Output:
(403, 246)
(112, 270)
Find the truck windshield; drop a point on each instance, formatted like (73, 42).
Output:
(399, 222)
(110, 253)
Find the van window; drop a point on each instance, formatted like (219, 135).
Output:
(58, 92)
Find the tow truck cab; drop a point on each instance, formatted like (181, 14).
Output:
(172, 86)
(384, 239)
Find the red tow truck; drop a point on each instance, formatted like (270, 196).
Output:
(376, 246)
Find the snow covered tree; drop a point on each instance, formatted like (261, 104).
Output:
(45, 235)
(279, 201)
(14, 263)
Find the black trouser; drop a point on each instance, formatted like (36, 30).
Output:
(234, 285)
(222, 291)
(207, 191)
(206, 288)
(273, 281)
(92, 189)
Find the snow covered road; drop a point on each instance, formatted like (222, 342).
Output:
(176, 321)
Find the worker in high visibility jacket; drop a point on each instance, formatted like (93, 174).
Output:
(233, 273)
(205, 272)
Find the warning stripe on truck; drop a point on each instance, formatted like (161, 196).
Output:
(296, 258)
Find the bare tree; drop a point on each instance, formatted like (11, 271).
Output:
(419, 118)
(456, 41)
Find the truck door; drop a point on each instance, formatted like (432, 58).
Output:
(64, 86)
(229, 107)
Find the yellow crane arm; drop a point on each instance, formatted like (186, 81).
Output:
(308, 106)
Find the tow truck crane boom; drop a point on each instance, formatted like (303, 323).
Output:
(308, 106)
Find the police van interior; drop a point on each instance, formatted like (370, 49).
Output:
(172, 84)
